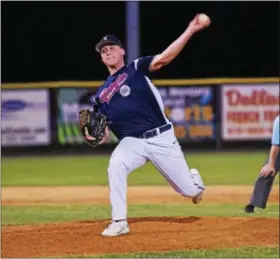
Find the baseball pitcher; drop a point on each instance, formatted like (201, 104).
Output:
(267, 175)
(131, 107)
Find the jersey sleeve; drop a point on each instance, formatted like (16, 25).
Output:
(143, 64)
(275, 133)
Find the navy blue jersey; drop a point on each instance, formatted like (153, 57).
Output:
(130, 101)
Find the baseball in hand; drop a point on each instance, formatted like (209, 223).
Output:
(204, 19)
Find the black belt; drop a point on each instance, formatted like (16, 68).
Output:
(156, 131)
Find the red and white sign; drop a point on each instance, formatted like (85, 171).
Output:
(248, 111)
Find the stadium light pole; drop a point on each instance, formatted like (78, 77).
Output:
(132, 30)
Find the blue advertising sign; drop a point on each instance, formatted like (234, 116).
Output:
(191, 109)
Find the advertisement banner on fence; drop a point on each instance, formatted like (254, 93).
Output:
(70, 101)
(25, 119)
(190, 109)
(248, 111)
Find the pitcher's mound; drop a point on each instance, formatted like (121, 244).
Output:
(147, 234)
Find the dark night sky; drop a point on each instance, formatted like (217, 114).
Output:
(46, 41)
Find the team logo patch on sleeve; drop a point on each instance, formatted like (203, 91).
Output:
(125, 90)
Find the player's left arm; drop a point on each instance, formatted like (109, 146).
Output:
(269, 168)
(173, 50)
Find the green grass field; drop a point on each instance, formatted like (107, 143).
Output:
(246, 252)
(216, 169)
(21, 215)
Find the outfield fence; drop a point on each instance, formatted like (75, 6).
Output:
(206, 113)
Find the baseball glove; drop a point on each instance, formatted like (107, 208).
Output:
(92, 126)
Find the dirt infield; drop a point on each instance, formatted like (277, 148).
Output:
(147, 234)
(136, 195)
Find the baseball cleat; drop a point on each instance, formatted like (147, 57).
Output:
(249, 208)
(197, 199)
(116, 228)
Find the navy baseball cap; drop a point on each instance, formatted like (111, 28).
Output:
(108, 40)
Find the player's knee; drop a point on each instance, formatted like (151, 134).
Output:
(190, 191)
(117, 165)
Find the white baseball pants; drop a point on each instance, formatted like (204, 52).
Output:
(164, 152)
